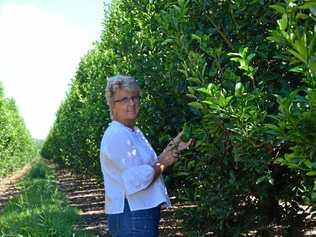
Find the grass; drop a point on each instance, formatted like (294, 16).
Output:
(9, 164)
(40, 210)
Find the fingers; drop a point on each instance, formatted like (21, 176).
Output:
(169, 157)
(174, 154)
(177, 139)
(189, 143)
(179, 135)
(176, 146)
(185, 145)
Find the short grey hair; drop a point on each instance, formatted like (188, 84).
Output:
(119, 82)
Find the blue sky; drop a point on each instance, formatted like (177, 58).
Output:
(41, 44)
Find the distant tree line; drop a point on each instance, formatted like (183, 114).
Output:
(16, 144)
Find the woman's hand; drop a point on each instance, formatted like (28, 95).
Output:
(168, 157)
(178, 144)
(172, 152)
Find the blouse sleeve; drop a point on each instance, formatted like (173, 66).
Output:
(123, 155)
(137, 178)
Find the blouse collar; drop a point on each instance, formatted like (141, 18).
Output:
(115, 122)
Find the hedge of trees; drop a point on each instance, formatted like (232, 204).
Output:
(16, 144)
(238, 76)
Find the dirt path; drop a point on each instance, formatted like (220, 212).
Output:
(8, 188)
(86, 194)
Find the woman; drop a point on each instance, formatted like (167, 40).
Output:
(134, 187)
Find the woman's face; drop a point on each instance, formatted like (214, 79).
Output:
(125, 107)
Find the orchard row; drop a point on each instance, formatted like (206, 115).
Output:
(237, 76)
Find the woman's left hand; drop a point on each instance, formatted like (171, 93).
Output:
(179, 144)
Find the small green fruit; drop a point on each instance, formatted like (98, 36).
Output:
(186, 133)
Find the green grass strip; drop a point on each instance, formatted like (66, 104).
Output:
(9, 165)
(40, 210)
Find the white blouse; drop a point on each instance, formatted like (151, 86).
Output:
(126, 160)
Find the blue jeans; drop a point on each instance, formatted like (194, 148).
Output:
(141, 223)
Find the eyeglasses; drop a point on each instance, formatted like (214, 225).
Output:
(125, 100)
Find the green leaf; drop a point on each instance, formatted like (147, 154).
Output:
(312, 43)
(312, 66)
(283, 22)
(191, 164)
(299, 69)
(186, 132)
(311, 173)
(194, 79)
(300, 46)
(212, 104)
(251, 56)
(224, 101)
(182, 173)
(260, 180)
(278, 8)
(276, 36)
(239, 89)
(234, 54)
(196, 37)
(192, 96)
(203, 90)
(308, 163)
(167, 41)
(308, 5)
(297, 55)
(243, 52)
(196, 105)
(301, 16)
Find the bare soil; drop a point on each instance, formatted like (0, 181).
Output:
(87, 194)
(8, 187)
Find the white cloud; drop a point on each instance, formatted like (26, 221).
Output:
(39, 52)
